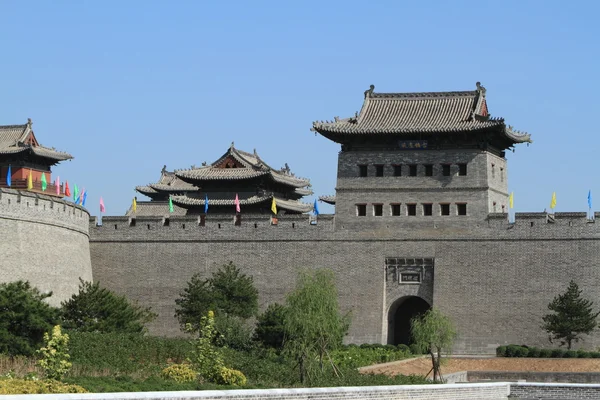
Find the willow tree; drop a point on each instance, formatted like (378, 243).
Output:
(434, 333)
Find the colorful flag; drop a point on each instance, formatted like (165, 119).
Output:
(170, 204)
(553, 201)
(84, 197)
(29, 181)
(237, 203)
(67, 190)
(57, 184)
(9, 176)
(80, 197)
(76, 193)
(134, 204)
(205, 203)
(590, 199)
(316, 208)
(274, 206)
(511, 200)
(102, 208)
(44, 182)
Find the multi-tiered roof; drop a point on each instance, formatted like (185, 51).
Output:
(235, 173)
(427, 116)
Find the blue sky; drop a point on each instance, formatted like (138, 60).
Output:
(128, 86)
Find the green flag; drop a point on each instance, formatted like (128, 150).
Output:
(170, 204)
(44, 183)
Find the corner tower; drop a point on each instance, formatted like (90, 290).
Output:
(417, 157)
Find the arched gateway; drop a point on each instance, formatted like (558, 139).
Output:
(399, 316)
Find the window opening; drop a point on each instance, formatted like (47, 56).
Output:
(428, 209)
(446, 169)
(461, 208)
(411, 209)
(395, 210)
(412, 170)
(378, 210)
(362, 170)
(445, 209)
(397, 170)
(379, 170)
(428, 170)
(361, 210)
(462, 169)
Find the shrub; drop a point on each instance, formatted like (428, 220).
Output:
(521, 351)
(583, 354)
(179, 373)
(545, 353)
(414, 349)
(55, 355)
(403, 348)
(269, 326)
(228, 376)
(501, 351)
(512, 350)
(365, 346)
(534, 352)
(557, 353)
(232, 333)
(594, 354)
(570, 354)
(22, 386)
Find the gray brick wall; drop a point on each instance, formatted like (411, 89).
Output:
(558, 391)
(44, 241)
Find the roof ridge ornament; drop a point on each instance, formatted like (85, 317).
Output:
(369, 92)
(164, 169)
(480, 89)
(29, 122)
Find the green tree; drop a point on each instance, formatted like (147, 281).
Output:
(97, 309)
(434, 334)
(313, 324)
(573, 316)
(227, 292)
(24, 318)
(270, 326)
(55, 354)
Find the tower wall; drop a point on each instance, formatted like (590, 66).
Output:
(44, 241)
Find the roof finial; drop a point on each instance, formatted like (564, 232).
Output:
(369, 92)
(480, 88)
(164, 169)
(29, 121)
(231, 147)
(255, 153)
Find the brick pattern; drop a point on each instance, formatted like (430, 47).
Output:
(44, 241)
(558, 391)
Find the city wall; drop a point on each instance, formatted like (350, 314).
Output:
(494, 278)
(44, 241)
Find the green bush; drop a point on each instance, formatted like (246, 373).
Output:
(558, 353)
(545, 353)
(583, 354)
(594, 354)
(361, 357)
(404, 348)
(570, 354)
(233, 377)
(534, 352)
(233, 333)
(22, 386)
(179, 373)
(522, 351)
(112, 384)
(414, 349)
(512, 350)
(269, 326)
(501, 351)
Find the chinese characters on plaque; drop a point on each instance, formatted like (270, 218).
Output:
(412, 144)
(410, 277)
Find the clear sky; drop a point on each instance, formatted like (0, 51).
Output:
(128, 86)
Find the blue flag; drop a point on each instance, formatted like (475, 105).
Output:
(205, 203)
(9, 176)
(84, 197)
(316, 208)
(590, 199)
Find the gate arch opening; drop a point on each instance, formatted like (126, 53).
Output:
(401, 312)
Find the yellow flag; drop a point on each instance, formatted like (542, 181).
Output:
(134, 205)
(29, 181)
(553, 201)
(274, 206)
(511, 200)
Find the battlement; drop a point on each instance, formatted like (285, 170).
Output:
(533, 219)
(38, 208)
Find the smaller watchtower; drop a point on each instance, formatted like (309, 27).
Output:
(20, 150)
(415, 157)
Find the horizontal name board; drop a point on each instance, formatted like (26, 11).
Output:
(413, 144)
(410, 277)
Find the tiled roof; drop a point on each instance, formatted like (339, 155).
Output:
(303, 191)
(328, 199)
(13, 140)
(292, 205)
(153, 208)
(252, 167)
(407, 113)
(145, 190)
(167, 182)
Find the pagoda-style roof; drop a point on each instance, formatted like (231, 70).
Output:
(167, 183)
(406, 114)
(290, 205)
(329, 199)
(239, 165)
(20, 138)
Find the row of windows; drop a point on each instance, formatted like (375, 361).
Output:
(412, 209)
(411, 169)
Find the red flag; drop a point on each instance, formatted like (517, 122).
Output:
(67, 191)
(102, 209)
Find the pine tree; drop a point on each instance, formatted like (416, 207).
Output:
(573, 316)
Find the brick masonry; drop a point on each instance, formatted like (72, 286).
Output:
(44, 241)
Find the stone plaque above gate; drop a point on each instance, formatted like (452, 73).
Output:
(408, 270)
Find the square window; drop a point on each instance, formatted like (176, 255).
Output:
(411, 209)
(445, 209)
(397, 170)
(501, 174)
(428, 209)
(462, 169)
(362, 170)
(379, 170)
(446, 169)
(461, 209)
(361, 210)
(378, 210)
(428, 170)
(412, 170)
(395, 210)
